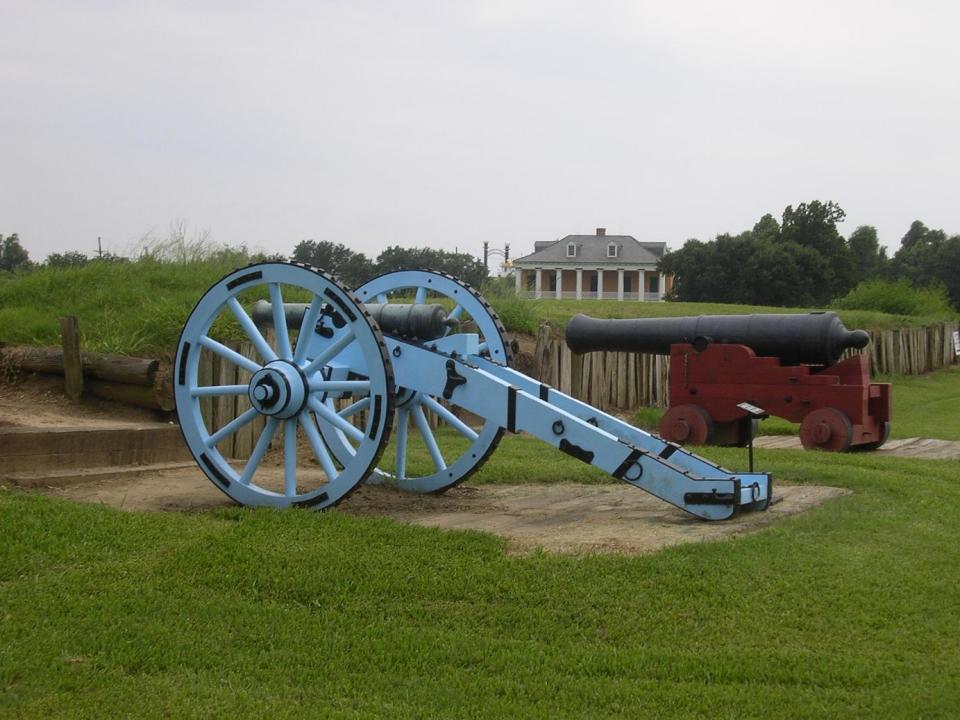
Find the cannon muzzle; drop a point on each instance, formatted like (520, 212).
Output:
(817, 338)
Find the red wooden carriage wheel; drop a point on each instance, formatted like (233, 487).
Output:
(826, 429)
(688, 424)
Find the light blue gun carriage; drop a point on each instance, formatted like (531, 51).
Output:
(348, 368)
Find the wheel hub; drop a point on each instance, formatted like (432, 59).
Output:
(821, 433)
(681, 430)
(279, 390)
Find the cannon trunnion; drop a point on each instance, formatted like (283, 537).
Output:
(789, 365)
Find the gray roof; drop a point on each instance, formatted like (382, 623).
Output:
(592, 250)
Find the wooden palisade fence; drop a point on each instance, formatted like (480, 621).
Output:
(618, 380)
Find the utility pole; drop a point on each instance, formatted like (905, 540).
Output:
(487, 252)
(99, 248)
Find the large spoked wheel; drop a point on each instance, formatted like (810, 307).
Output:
(421, 458)
(284, 386)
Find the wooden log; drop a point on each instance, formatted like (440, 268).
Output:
(566, 368)
(576, 372)
(145, 397)
(243, 438)
(72, 361)
(103, 366)
(118, 368)
(163, 383)
(224, 406)
(204, 378)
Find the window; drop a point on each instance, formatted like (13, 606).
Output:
(571, 250)
(531, 281)
(654, 283)
(553, 282)
(593, 283)
(611, 250)
(627, 283)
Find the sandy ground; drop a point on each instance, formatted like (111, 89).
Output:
(563, 518)
(32, 400)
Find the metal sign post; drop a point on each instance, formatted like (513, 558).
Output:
(754, 413)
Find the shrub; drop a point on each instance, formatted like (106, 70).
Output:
(897, 298)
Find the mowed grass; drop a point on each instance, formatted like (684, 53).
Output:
(849, 610)
(559, 312)
(923, 406)
(139, 308)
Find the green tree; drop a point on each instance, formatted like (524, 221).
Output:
(928, 257)
(13, 257)
(71, 258)
(352, 268)
(814, 225)
(744, 269)
(784, 274)
(460, 265)
(869, 257)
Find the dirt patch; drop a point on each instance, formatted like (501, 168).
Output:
(562, 518)
(573, 519)
(37, 400)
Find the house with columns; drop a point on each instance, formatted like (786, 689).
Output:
(593, 267)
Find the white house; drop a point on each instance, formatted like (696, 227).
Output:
(591, 267)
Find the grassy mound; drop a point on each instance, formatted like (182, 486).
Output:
(140, 307)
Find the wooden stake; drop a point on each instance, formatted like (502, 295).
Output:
(72, 363)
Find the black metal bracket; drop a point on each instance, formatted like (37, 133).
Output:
(454, 380)
(710, 498)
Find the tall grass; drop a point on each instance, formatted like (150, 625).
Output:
(131, 308)
(898, 298)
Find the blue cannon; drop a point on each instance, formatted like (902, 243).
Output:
(346, 370)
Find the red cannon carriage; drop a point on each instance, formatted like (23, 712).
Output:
(789, 365)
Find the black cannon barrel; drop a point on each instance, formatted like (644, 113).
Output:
(421, 321)
(815, 338)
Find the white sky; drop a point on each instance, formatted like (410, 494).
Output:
(448, 123)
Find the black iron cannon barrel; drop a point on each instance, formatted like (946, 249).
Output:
(814, 338)
(421, 321)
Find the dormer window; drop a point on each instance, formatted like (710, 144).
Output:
(612, 250)
(571, 250)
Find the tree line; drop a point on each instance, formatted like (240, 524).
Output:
(802, 259)
(352, 268)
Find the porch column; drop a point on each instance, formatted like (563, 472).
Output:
(559, 274)
(599, 283)
(518, 276)
(579, 283)
(641, 285)
(620, 284)
(536, 287)
(663, 284)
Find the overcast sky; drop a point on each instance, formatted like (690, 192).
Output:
(449, 123)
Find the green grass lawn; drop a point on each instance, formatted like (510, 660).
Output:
(923, 406)
(849, 610)
(528, 314)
